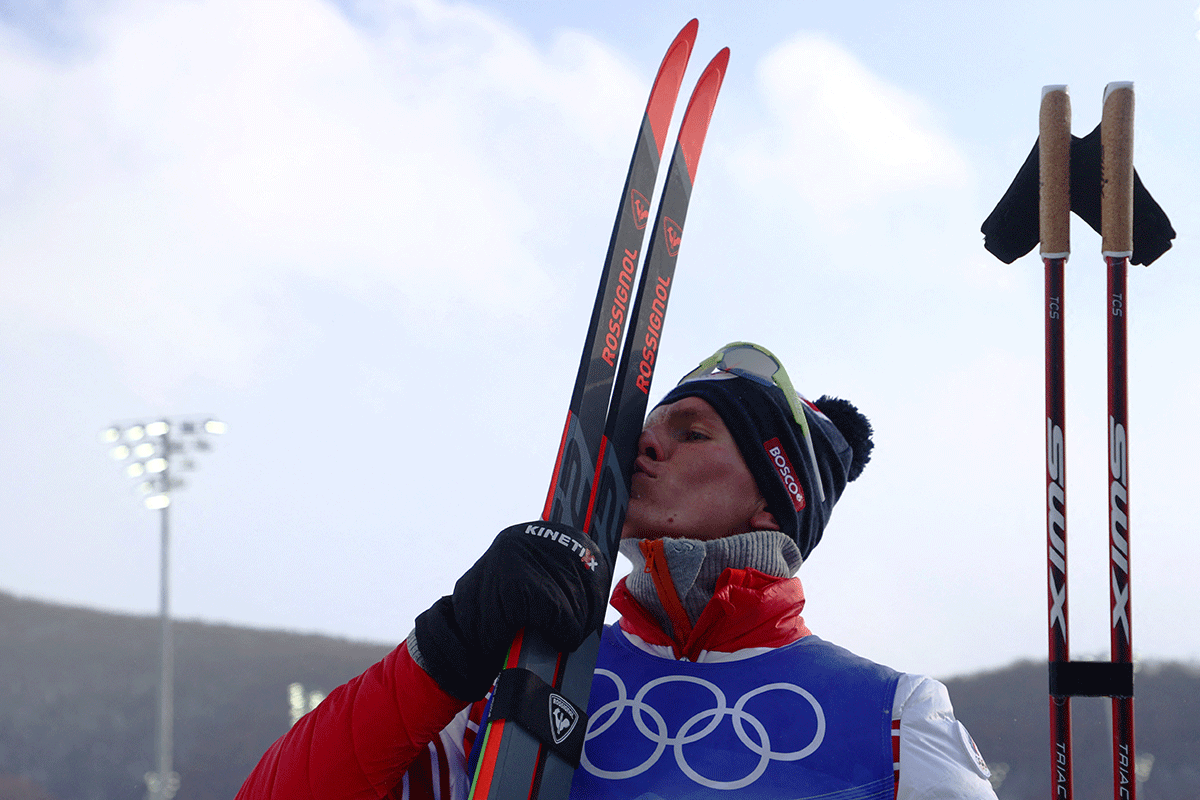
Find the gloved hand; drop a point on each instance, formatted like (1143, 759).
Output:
(540, 575)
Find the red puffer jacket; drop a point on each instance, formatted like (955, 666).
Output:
(368, 733)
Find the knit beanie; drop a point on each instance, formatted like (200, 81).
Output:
(800, 473)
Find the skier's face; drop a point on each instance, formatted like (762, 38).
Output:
(690, 480)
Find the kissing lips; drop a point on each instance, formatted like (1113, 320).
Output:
(640, 479)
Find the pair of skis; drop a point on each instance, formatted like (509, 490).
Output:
(1113, 678)
(588, 489)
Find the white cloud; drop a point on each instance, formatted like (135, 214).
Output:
(842, 136)
(168, 180)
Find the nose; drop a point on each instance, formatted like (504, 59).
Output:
(650, 444)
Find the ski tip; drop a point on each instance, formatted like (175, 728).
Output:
(665, 91)
(1054, 88)
(699, 111)
(689, 31)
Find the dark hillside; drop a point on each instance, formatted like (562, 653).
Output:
(1008, 716)
(78, 703)
(79, 698)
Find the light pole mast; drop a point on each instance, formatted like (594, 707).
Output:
(152, 448)
(168, 780)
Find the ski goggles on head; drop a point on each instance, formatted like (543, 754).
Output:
(756, 363)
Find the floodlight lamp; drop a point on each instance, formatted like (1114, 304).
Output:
(136, 469)
(156, 502)
(120, 452)
(214, 426)
(156, 465)
(146, 487)
(135, 433)
(157, 428)
(144, 450)
(110, 435)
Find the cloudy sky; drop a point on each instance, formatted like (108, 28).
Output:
(366, 235)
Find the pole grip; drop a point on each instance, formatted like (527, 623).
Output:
(1116, 159)
(1054, 172)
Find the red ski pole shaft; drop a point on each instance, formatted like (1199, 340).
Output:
(1054, 218)
(1116, 213)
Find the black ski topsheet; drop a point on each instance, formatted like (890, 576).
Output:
(610, 487)
(631, 392)
(509, 762)
(570, 484)
(589, 488)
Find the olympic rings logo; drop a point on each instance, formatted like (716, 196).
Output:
(692, 731)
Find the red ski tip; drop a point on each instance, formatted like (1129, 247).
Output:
(666, 84)
(699, 111)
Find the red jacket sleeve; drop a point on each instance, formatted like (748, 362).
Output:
(360, 740)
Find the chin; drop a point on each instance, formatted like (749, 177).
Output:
(632, 529)
(628, 534)
(633, 532)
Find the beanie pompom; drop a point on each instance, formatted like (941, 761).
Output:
(854, 427)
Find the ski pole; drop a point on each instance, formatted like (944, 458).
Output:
(1094, 177)
(1116, 211)
(1114, 678)
(1054, 223)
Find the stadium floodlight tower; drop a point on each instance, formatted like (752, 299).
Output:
(153, 452)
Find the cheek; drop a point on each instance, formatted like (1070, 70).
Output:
(730, 485)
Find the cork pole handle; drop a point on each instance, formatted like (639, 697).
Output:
(1054, 172)
(1116, 183)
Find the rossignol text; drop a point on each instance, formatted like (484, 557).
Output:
(658, 308)
(616, 318)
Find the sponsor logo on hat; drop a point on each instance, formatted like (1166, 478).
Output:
(783, 467)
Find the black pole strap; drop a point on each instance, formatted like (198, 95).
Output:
(1090, 679)
(524, 698)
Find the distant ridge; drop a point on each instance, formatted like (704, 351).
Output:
(78, 700)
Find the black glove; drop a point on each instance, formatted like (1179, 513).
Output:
(1011, 230)
(540, 575)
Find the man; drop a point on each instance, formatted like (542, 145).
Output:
(710, 685)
